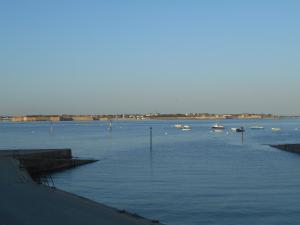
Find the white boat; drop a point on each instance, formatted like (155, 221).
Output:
(276, 129)
(186, 129)
(233, 129)
(257, 127)
(217, 127)
(179, 126)
(217, 131)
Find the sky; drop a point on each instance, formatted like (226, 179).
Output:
(143, 56)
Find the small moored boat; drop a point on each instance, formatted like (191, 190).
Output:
(257, 127)
(186, 129)
(241, 129)
(276, 129)
(179, 126)
(217, 127)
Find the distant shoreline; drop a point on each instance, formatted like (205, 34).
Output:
(133, 117)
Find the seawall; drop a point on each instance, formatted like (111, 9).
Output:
(40, 162)
(288, 147)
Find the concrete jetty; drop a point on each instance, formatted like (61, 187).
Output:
(26, 202)
(40, 162)
(288, 147)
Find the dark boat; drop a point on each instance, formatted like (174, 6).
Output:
(241, 129)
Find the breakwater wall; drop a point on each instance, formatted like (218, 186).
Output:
(288, 147)
(40, 162)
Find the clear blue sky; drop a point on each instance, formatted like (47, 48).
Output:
(125, 56)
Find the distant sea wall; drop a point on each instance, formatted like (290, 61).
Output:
(34, 118)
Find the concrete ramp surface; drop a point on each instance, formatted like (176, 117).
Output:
(25, 202)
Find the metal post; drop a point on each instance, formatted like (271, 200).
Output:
(150, 138)
(242, 134)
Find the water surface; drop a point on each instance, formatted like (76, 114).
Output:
(190, 177)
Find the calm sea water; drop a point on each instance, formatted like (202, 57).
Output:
(190, 177)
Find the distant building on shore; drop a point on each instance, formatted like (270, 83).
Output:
(35, 118)
(150, 116)
(82, 118)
